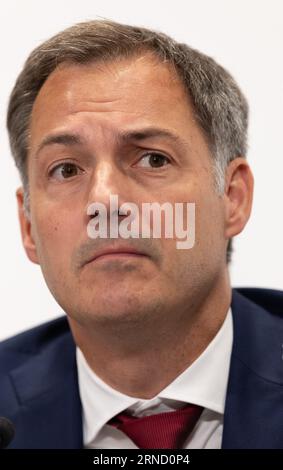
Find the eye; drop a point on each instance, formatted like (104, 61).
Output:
(64, 171)
(153, 160)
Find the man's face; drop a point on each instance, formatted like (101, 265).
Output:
(97, 104)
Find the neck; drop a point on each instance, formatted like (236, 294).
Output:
(143, 359)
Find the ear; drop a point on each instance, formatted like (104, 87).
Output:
(238, 196)
(26, 228)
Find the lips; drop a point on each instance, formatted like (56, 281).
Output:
(116, 252)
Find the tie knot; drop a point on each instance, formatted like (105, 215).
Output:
(159, 431)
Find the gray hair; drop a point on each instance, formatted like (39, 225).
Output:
(220, 108)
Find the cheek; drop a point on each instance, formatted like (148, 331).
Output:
(56, 236)
(209, 221)
(210, 225)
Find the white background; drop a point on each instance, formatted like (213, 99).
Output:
(245, 36)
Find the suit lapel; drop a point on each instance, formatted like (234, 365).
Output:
(253, 412)
(48, 414)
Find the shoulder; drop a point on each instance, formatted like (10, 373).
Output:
(258, 331)
(260, 309)
(269, 299)
(258, 306)
(16, 350)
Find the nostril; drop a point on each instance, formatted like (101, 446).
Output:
(94, 215)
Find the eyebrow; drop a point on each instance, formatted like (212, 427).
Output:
(73, 139)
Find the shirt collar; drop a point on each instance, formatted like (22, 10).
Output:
(203, 383)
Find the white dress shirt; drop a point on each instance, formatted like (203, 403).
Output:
(203, 383)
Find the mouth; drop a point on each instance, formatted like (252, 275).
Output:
(116, 254)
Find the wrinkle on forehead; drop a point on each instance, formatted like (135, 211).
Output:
(74, 88)
(119, 95)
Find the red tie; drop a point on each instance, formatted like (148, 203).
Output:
(159, 431)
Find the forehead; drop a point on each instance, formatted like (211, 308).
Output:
(138, 87)
(112, 77)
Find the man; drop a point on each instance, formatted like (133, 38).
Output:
(157, 350)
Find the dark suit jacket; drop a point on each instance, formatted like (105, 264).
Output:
(39, 386)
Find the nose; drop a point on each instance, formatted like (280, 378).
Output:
(108, 181)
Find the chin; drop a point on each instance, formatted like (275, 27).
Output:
(111, 310)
